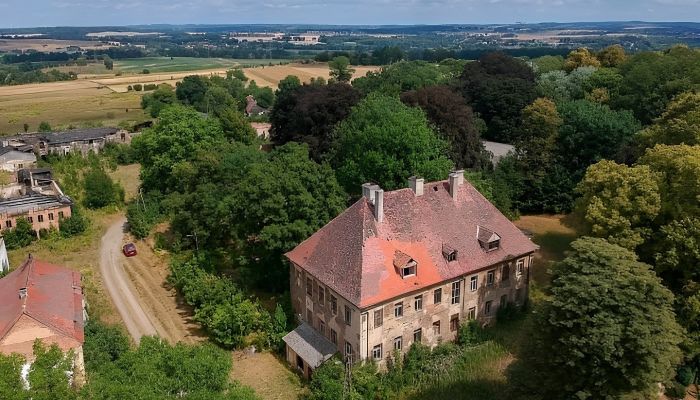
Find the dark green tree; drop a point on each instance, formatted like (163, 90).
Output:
(607, 330)
(21, 235)
(44, 127)
(340, 69)
(100, 189)
(162, 97)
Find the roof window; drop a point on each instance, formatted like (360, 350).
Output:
(488, 239)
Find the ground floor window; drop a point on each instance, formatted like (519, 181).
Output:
(377, 352)
(471, 314)
(436, 328)
(418, 335)
(487, 307)
(398, 343)
(454, 322)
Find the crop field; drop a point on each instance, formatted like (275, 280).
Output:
(176, 64)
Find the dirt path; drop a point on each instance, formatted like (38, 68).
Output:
(118, 284)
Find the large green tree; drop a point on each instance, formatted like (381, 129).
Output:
(679, 124)
(454, 121)
(401, 77)
(607, 330)
(340, 69)
(385, 141)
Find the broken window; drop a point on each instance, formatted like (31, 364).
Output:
(378, 318)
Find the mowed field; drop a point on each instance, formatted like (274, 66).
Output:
(177, 64)
(104, 99)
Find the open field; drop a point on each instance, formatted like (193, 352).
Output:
(104, 99)
(266, 374)
(176, 64)
(48, 45)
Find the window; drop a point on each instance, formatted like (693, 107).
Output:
(8, 224)
(377, 352)
(348, 349)
(487, 307)
(494, 245)
(454, 322)
(398, 310)
(322, 327)
(418, 303)
(50, 216)
(60, 215)
(40, 218)
(471, 314)
(321, 295)
(30, 219)
(474, 283)
(437, 296)
(455, 292)
(348, 315)
(417, 335)
(505, 273)
(309, 287)
(334, 305)
(436, 328)
(298, 277)
(378, 318)
(519, 267)
(449, 253)
(490, 277)
(409, 269)
(504, 300)
(398, 343)
(309, 317)
(334, 337)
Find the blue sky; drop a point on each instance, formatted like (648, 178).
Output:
(23, 13)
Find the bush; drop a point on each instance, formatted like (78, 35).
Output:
(74, 225)
(676, 391)
(44, 127)
(685, 375)
(471, 334)
(509, 312)
(145, 71)
(150, 86)
(141, 219)
(129, 88)
(100, 189)
(120, 153)
(138, 87)
(21, 236)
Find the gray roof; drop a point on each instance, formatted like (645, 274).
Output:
(310, 345)
(498, 150)
(9, 153)
(78, 135)
(33, 201)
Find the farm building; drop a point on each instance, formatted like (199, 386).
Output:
(42, 301)
(12, 160)
(404, 266)
(81, 141)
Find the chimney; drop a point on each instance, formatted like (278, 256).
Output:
(379, 205)
(456, 179)
(416, 184)
(368, 190)
(460, 176)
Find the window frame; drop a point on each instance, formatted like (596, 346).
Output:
(398, 309)
(454, 322)
(490, 277)
(471, 313)
(398, 340)
(310, 287)
(377, 352)
(334, 337)
(519, 267)
(436, 324)
(456, 292)
(419, 334)
(321, 295)
(488, 307)
(418, 303)
(40, 217)
(474, 283)
(378, 318)
(505, 273)
(437, 296)
(334, 304)
(347, 315)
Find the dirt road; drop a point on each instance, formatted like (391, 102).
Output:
(118, 284)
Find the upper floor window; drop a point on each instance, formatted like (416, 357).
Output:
(488, 239)
(334, 305)
(437, 296)
(334, 337)
(348, 315)
(50, 216)
(505, 273)
(40, 218)
(322, 327)
(418, 302)
(60, 215)
(418, 335)
(321, 295)
(378, 318)
(404, 264)
(398, 343)
(8, 224)
(474, 283)
(490, 277)
(409, 269)
(456, 288)
(487, 307)
(449, 253)
(519, 267)
(309, 287)
(398, 310)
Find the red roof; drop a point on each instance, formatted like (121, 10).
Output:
(355, 255)
(54, 297)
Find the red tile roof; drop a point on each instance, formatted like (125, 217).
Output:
(354, 254)
(54, 298)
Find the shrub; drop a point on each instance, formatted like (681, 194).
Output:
(100, 189)
(138, 87)
(145, 71)
(685, 375)
(74, 225)
(21, 236)
(150, 86)
(44, 127)
(120, 153)
(508, 312)
(471, 334)
(129, 88)
(676, 391)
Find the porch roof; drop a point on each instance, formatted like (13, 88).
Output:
(309, 345)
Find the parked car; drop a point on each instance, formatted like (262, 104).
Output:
(129, 249)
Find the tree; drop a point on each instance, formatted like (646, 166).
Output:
(454, 121)
(21, 236)
(165, 150)
(74, 225)
(545, 64)
(498, 87)
(100, 189)
(678, 252)
(44, 127)
(155, 102)
(26, 127)
(308, 114)
(679, 124)
(619, 203)
(47, 377)
(581, 57)
(607, 330)
(401, 77)
(108, 62)
(612, 56)
(560, 86)
(385, 142)
(191, 90)
(340, 69)
(11, 384)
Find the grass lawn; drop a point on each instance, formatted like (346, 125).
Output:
(178, 64)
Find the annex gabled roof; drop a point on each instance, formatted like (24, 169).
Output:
(355, 255)
(51, 295)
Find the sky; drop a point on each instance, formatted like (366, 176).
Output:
(32, 13)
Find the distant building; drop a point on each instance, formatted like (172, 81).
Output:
(36, 197)
(252, 108)
(498, 150)
(12, 160)
(81, 141)
(402, 267)
(42, 301)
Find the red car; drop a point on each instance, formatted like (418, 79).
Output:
(129, 249)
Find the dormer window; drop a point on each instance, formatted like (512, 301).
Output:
(488, 239)
(405, 265)
(449, 253)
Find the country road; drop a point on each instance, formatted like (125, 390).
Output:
(118, 284)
